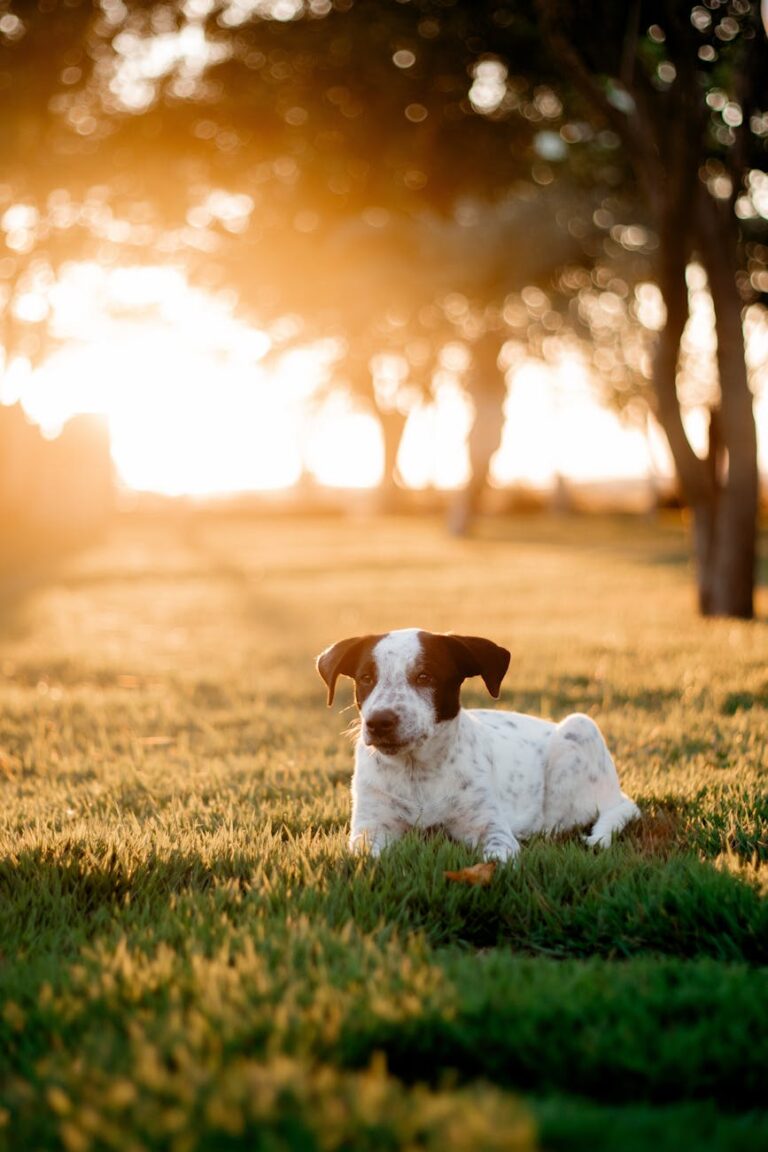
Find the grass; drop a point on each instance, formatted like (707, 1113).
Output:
(189, 959)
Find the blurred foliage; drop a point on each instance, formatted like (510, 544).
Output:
(396, 174)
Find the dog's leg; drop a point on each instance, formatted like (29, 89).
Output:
(499, 844)
(370, 840)
(494, 840)
(611, 821)
(371, 831)
(374, 825)
(582, 783)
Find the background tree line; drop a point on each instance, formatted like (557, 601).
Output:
(403, 175)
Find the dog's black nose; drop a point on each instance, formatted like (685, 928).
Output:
(382, 725)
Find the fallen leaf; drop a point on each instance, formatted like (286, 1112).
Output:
(481, 874)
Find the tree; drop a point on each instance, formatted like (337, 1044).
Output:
(674, 100)
(680, 85)
(309, 141)
(357, 140)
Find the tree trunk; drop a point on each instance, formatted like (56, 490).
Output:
(695, 482)
(666, 143)
(484, 438)
(392, 429)
(721, 491)
(705, 518)
(732, 574)
(487, 388)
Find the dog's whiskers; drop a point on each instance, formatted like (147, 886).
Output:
(353, 729)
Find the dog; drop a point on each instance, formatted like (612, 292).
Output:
(487, 778)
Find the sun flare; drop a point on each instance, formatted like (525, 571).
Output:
(193, 407)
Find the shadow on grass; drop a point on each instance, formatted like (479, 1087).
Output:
(560, 899)
(655, 1031)
(570, 1123)
(52, 902)
(515, 983)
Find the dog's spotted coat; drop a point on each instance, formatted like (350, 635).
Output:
(488, 778)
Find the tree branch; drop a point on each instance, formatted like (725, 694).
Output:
(632, 129)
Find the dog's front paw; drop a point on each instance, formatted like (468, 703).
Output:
(367, 844)
(596, 840)
(500, 848)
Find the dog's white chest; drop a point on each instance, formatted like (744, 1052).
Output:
(419, 799)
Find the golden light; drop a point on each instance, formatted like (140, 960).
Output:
(434, 449)
(179, 422)
(343, 446)
(178, 379)
(192, 409)
(574, 437)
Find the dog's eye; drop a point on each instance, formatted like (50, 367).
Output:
(365, 678)
(424, 678)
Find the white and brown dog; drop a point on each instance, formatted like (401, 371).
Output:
(487, 778)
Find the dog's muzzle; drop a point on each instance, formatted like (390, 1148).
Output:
(382, 730)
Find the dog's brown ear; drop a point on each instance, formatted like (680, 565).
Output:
(479, 657)
(340, 660)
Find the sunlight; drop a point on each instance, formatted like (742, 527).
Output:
(434, 450)
(178, 423)
(175, 438)
(141, 61)
(193, 408)
(343, 447)
(554, 426)
(528, 450)
(189, 408)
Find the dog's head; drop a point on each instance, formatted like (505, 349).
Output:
(408, 682)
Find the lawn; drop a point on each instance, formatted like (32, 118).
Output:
(189, 959)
